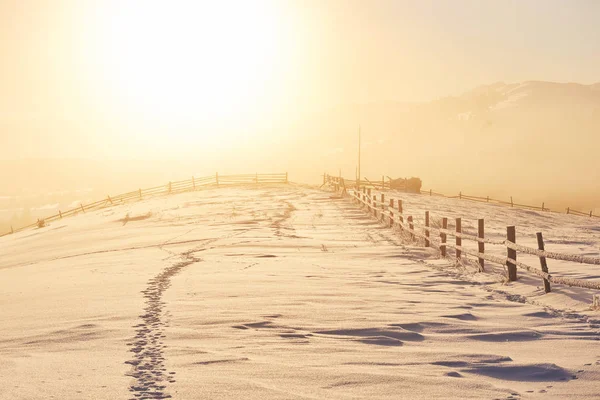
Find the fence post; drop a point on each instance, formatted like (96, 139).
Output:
(511, 201)
(511, 254)
(591, 213)
(460, 195)
(488, 199)
(400, 206)
(426, 228)
(458, 238)
(567, 210)
(382, 206)
(411, 227)
(11, 230)
(481, 244)
(374, 205)
(369, 200)
(443, 236)
(430, 192)
(391, 212)
(543, 264)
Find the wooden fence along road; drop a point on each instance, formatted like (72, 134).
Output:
(392, 215)
(383, 185)
(171, 187)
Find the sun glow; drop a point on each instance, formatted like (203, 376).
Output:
(190, 61)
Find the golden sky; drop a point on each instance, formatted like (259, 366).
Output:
(130, 78)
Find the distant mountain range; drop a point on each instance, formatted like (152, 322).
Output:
(538, 141)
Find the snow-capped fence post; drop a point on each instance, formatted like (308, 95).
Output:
(382, 206)
(411, 227)
(391, 213)
(458, 238)
(480, 243)
(443, 236)
(400, 206)
(543, 264)
(426, 228)
(511, 254)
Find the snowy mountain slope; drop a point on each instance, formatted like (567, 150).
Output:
(268, 293)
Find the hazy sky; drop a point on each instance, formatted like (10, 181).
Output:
(77, 77)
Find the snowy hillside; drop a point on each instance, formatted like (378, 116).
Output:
(283, 292)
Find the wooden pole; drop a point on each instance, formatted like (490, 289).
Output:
(369, 200)
(12, 230)
(544, 265)
(481, 245)
(511, 201)
(382, 206)
(358, 178)
(430, 192)
(460, 195)
(511, 254)
(567, 210)
(391, 212)
(443, 237)
(411, 227)
(458, 238)
(427, 229)
(400, 206)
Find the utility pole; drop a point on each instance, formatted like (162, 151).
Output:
(358, 181)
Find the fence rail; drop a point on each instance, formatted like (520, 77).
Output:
(383, 185)
(393, 215)
(168, 188)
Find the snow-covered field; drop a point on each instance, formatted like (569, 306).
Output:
(286, 292)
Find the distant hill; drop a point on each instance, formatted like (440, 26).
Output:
(536, 140)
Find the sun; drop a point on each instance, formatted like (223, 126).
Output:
(191, 61)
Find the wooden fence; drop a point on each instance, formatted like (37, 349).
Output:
(392, 214)
(169, 188)
(385, 185)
